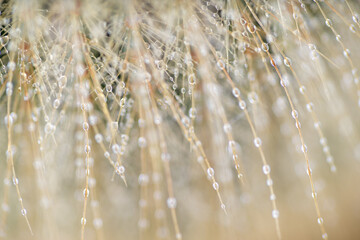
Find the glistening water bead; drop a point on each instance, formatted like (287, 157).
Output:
(275, 213)
(266, 169)
(210, 172)
(171, 203)
(257, 142)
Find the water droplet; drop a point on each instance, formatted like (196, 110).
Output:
(86, 193)
(257, 142)
(56, 103)
(108, 88)
(310, 107)
(142, 142)
(269, 182)
(62, 81)
(227, 127)
(98, 138)
(266, 169)
(265, 47)
(294, 114)
(23, 212)
(275, 213)
(328, 22)
(192, 79)
(87, 148)
(287, 61)
(171, 202)
(272, 197)
(85, 126)
(356, 18)
(15, 181)
(236, 92)
(192, 113)
(98, 223)
(120, 170)
(210, 172)
(251, 28)
(304, 148)
(221, 64)
(242, 104)
(49, 128)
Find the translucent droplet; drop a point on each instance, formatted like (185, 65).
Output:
(114, 126)
(98, 138)
(142, 142)
(216, 186)
(4, 40)
(310, 107)
(253, 97)
(346, 52)
(257, 142)
(108, 88)
(85, 126)
(320, 220)
(352, 28)
(269, 182)
(236, 92)
(143, 179)
(87, 148)
(294, 114)
(304, 148)
(115, 148)
(356, 18)
(56, 103)
(8, 120)
(98, 223)
(210, 172)
(314, 195)
(328, 22)
(338, 37)
(86, 193)
(242, 104)
(275, 213)
(251, 28)
(192, 113)
(272, 197)
(23, 212)
(83, 221)
(120, 170)
(266, 169)
(49, 128)
(287, 61)
(227, 127)
(221, 64)
(171, 202)
(15, 181)
(192, 79)
(265, 47)
(62, 81)
(302, 89)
